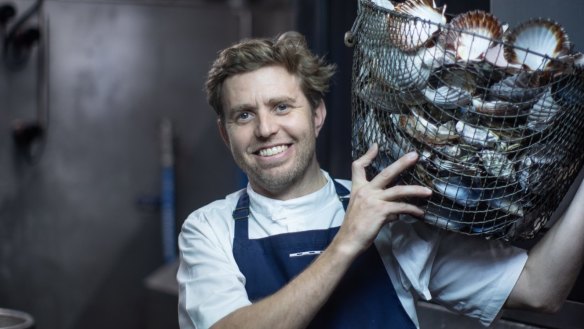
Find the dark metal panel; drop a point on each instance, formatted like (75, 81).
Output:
(74, 245)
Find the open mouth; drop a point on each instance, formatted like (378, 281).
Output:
(271, 151)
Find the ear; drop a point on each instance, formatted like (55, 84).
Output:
(223, 132)
(319, 116)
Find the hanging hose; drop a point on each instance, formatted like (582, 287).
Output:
(167, 193)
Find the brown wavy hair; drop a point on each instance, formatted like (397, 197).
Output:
(288, 50)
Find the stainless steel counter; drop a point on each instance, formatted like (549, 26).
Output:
(571, 316)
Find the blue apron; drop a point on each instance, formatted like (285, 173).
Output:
(364, 298)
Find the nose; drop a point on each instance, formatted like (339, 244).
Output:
(266, 125)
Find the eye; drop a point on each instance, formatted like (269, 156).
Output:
(282, 107)
(243, 116)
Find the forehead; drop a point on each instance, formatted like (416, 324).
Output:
(260, 86)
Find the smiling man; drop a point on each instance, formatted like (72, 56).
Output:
(289, 251)
(271, 129)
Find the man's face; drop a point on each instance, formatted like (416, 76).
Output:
(271, 130)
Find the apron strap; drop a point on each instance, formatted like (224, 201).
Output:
(242, 209)
(343, 194)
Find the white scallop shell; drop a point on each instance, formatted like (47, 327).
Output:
(374, 132)
(447, 97)
(579, 60)
(495, 108)
(523, 87)
(424, 9)
(384, 4)
(398, 70)
(412, 33)
(495, 55)
(473, 33)
(542, 112)
(542, 38)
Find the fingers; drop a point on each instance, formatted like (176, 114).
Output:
(390, 173)
(359, 165)
(406, 191)
(395, 194)
(398, 208)
(391, 196)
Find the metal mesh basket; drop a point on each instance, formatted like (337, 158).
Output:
(499, 145)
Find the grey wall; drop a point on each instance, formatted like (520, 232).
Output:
(568, 13)
(75, 242)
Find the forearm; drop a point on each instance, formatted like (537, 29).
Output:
(372, 205)
(554, 263)
(296, 304)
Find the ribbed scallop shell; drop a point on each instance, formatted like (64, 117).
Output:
(384, 4)
(543, 111)
(472, 33)
(397, 70)
(579, 60)
(540, 36)
(409, 33)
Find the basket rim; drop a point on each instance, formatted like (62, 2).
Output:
(372, 5)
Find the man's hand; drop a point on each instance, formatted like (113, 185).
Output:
(374, 204)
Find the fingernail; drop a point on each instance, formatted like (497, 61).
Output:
(412, 155)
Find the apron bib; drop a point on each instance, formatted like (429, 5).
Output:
(364, 298)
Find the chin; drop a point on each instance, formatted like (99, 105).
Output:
(276, 181)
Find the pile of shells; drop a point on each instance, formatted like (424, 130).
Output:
(495, 112)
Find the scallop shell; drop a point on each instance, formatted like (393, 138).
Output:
(446, 218)
(472, 34)
(523, 87)
(410, 34)
(579, 60)
(506, 198)
(535, 166)
(497, 165)
(534, 42)
(384, 4)
(542, 112)
(496, 56)
(398, 70)
(447, 97)
(374, 133)
(568, 92)
(374, 94)
(495, 108)
(458, 190)
(435, 56)
(477, 136)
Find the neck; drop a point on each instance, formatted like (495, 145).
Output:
(310, 182)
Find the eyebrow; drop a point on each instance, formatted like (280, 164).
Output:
(242, 108)
(271, 102)
(282, 99)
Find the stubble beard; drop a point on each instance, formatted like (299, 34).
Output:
(276, 180)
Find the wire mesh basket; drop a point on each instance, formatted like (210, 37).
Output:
(499, 128)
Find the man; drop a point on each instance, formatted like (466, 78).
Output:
(288, 252)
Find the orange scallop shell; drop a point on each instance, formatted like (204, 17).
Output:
(471, 34)
(411, 33)
(533, 42)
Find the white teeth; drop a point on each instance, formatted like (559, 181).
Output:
(273, 150)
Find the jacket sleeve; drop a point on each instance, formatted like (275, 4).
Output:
(210, 283)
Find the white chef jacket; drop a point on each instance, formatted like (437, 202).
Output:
(469, 275)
